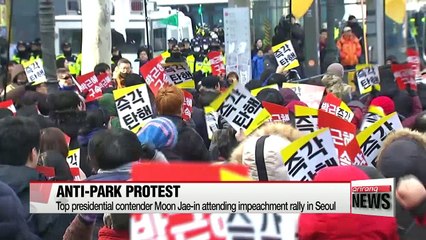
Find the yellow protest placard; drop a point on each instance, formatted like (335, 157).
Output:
(73, 158)
(371, 139)
(133, 106)
(285, 55)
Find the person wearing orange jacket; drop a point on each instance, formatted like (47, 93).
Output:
(350, 49)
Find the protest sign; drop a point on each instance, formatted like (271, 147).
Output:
(373, 115)
(73, 158)
(178, 73)
(256, 91)
(9, 105)
(337, 107)
(343, 132)
(89, 85)
(307, 155)
(240, 109)
(133, 106)
(214, 226)
(372, 138)
(352, 155)
(367, 76)
(216, 61)
(154, 75)
(306, 119)
(278, 112)
(34, 71)
(67, 139)
(413, 60)
(404, 75)
(309, 94)
(285, 55)
(187, 106)
(49, 172)
(212, 121)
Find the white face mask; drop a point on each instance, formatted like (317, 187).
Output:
(205, 46)
(197, 49)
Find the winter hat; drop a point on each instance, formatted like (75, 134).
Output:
(210, 82)
(288, 95)
(385, 103)
(347, 29)
(291, 105)
(107, 102)
(161, 132)
(335, 69)
(274, 165)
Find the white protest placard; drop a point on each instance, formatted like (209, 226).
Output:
(212, 121)
(310, 94)
(73, 158)
(335, 106)
(371, 139)
(178, 73)
(133, 106)
(285, 55)
(309, 154)
(367, 76)
(373, 115)
(35, 71)
(243, 111)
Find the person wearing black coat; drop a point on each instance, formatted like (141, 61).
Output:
(19, 146)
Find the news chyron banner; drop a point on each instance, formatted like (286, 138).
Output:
(368, 197)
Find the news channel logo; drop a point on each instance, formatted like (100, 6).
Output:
(373, 197)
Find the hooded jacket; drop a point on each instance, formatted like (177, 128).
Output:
(335, 85)
(12, 217)
(350, 50)
(280, 136)
(46, 226)
(403, 153)
(345, 226)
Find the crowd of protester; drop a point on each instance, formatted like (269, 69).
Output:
(36, 135)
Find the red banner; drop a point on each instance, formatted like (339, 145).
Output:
(413, 60)
(404, 75)
(343, 132)
(49, 172)
(216, 61)
(187, 106)
(278, 113)
(154, 74)
(353, 155)
(9, 105)
(92, 85)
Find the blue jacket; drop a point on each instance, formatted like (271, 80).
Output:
(257, 67)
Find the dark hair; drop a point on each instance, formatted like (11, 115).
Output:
(276, 78)
(59, 163)
(109, 149)
(323, 30)
(95, 119)
(253, 84)
(420, 122)
(18, 137)
(53, 139)
(5, 112)
(234, 74)
(101, 68)
(351, 17)
(270, 95)
(63, 100)
(60, 63)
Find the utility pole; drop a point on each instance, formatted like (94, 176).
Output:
(331, 50)
(96, 44)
